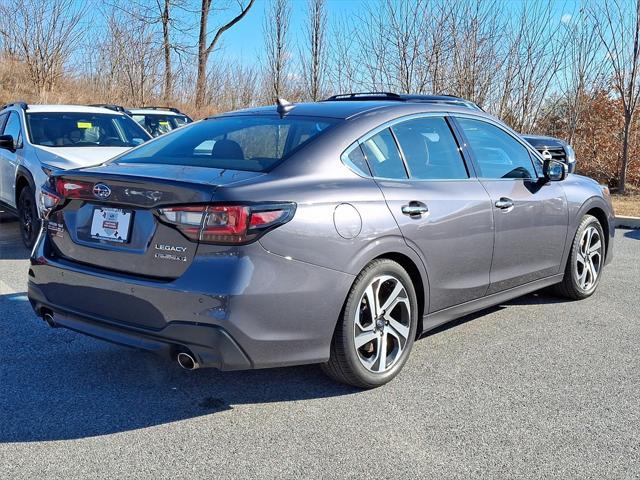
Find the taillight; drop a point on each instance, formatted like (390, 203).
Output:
(73, 188)
(227, 224)
(48, 200)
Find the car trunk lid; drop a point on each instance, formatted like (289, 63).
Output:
(110, 217)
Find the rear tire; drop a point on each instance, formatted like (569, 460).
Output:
(28, 215)
(585, 263)
(377, 327)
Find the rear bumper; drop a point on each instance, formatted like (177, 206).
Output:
(234, 307)
(211, 346)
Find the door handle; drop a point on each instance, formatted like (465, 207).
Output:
(504, 203)
(415, 209)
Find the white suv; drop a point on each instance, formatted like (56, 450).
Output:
(159, 120)
(38, 139)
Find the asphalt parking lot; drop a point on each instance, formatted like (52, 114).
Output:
(535, 388)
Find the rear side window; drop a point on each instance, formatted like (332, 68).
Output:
(497, 153)
(430, 149)
(252, 143)
(383, 156)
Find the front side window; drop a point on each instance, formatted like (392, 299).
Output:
(13, 128)
(61, 129)
(383, 156)
(252, 143)
(430, 150)
(3, 120)
(498, 154)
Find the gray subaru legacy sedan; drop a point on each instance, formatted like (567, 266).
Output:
(334, 232)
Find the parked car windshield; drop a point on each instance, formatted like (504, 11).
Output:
(252, 143)
(62, 129)
(159, 124)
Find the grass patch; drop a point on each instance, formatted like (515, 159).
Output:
(626, 205)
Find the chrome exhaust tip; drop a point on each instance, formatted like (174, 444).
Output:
(186, 361)
(48, 317)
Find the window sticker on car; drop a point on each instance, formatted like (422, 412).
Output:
(164, 124)
(84, 125)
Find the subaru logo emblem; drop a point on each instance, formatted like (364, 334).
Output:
(100, 190)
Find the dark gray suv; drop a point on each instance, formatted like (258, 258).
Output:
(334, 232)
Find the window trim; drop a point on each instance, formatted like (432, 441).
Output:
(508, 131)
(466, 160)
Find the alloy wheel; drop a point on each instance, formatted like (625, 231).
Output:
(27, 220)
(382, 323)
(589, 258)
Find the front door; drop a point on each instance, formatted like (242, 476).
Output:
(9, 160)
(530, 214)
(442, 211)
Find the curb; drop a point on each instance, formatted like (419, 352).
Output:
(627, 222)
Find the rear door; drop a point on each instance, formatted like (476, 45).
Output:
(530, 214)
(441, 209)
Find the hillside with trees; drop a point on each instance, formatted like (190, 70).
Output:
(574, 76)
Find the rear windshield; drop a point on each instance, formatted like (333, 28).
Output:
(239, 143)
(59, 129)
(157, 124)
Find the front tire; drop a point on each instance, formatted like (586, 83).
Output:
(29, 219)
(586, 261)
(377, 327)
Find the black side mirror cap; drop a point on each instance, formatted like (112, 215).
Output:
(555, 171)
(6, 142)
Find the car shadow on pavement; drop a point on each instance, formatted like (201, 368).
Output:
(634, 234)
(59, 385)
(535, 298)
(11, 247)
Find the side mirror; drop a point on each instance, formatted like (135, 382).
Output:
(6, 142)
(554, 170)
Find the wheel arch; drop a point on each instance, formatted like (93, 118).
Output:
(23, 179)
(600, 214)
(416, 278)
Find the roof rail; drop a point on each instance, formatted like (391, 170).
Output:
(363, 96)
(170, 109)
(22, 105)
(404, 97)
(110, 106)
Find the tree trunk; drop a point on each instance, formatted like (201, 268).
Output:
(166, 45)
(203, 55)
(626, 133)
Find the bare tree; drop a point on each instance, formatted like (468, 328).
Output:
(165, 16)
(315, 57)
(476, 34)
(618, 28)
(342, 72)
(276, 34)
(127, 70)
(44, 35)
(582, 70)
(205, 47)
(536, 52)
